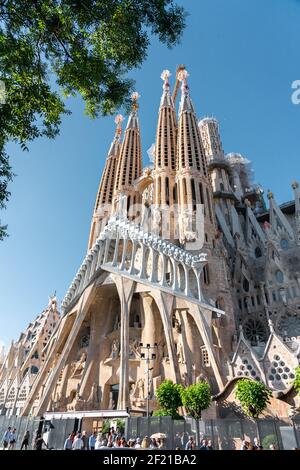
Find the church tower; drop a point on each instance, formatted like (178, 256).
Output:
(218, 167)
(103, 206)
(129, 166)
(165, 190)
(194, 187)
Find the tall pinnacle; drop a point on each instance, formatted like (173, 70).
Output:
(106, 187)
(190, 152)
(130, 161)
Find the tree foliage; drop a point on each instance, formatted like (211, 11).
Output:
(254, 396)
(84, 47)
(169, 398)
(196, 398)
(296, 382)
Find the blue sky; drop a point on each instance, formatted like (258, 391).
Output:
(242, 56)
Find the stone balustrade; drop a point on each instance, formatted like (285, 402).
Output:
(171, 266)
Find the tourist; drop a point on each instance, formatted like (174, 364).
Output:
(92, 441)
(161, 444)
(84, 440)
(12, 439)
(153, 443)
(25, 441)
(190, 445)
(209, 445)
(256, 444)
(203, 444)
(77, 443)
(145, 443)
(6, 438)
(123, 442)
(68, 443)
(245, 445)
(137, 443)
(39, 442)
(131, 443)
(103, 444)
(98, 441)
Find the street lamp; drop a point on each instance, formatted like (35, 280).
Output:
(145, 356)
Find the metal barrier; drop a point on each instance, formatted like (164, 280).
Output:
(225, 434)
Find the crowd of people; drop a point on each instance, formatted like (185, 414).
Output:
(114, 438)
(9, 440)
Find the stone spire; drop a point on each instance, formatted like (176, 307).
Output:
(103, 205)
(218, 167)
(165, 145)
(129, 166)
(165, 191)
(194, 187)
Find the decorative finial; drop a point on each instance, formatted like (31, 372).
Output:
(135, 96)
(165, 77)
(295, 184)
(270, 195)
(118, 121)
(182, 75)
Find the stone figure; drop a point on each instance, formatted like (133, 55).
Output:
(115, 348)
(94, 395)
(180, 352)
(176, 323)
(138, 390)
(134, 348)
(186, 226)
(79, 366)
(156, 221)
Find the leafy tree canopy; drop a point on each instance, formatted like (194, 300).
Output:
(169, 398)
(196, 398)
(81, 47)
(254, 396)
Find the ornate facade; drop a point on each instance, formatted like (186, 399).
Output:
(227, 308)
(24, 359)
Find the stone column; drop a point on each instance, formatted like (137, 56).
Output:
(125, 289)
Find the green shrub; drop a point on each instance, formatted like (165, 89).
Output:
(253, 396)
(196, 398)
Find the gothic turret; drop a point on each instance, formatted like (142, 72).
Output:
(129, 167)
(165, 193)
(218, 167)
(103, 205)
(193, 183)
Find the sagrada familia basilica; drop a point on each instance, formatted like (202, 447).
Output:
(187, 272)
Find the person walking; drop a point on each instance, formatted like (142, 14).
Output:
(209, 445)
(25, 441)
(84, 440)
(12, 439)
(6, 438)
(92, 440)
(78, 443)
(203, 444)
(39, 442)
(190, 445)
(68, 443)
